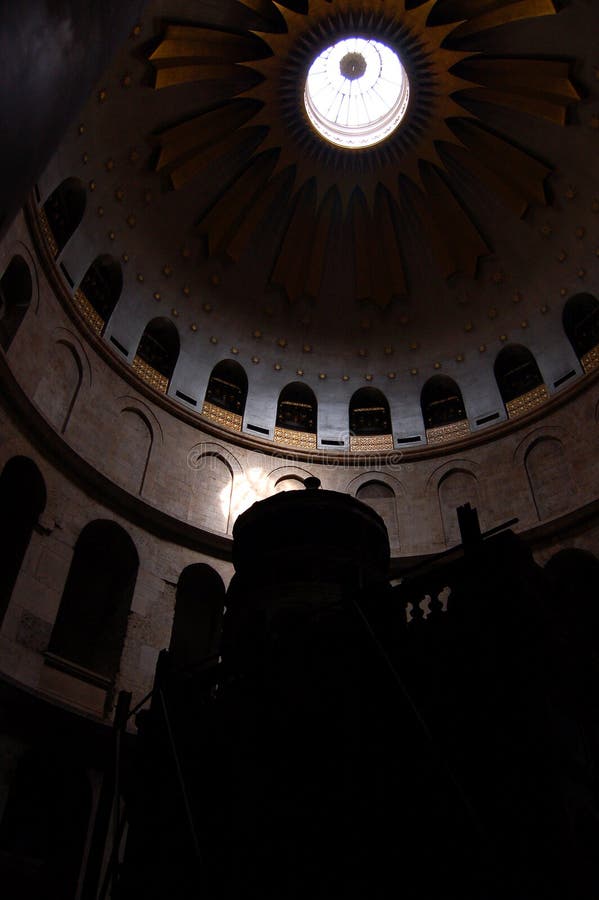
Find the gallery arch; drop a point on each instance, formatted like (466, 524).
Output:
(370, 420)
(226, 394)
(15, 296)
(580, 319)
(443, 410)
(296, 421)
(519, 380)
(157, 354)
(64, 210)
(100, 289)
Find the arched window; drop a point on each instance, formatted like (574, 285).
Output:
(99, 291)
(518, 375)
(443, 410)
(44, 827)
(157, 354)
(22, 500)
(226, 394)
(296, 416)
(370, 421)
(581, 324)
(15, 296)
(63, 211)
(199, 606)
(92, 619)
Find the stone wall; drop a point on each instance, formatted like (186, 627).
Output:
(108, 449)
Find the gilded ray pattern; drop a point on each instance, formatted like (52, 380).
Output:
(327, 189)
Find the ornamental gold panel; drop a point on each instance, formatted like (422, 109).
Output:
(444, 433)
(47, 232)
(590, 360)
(527, 402)
(150, 375)
(221, 416)
(87, 312)
(370, 442)
(300, 440)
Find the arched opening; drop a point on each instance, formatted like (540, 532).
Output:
(157, 354)
(519, 380)
(63, 211)
(443, 410)
(381, 497)
(92, 619)
(60, 384)
(296, 416)
(226, 394)
(549, 477)
(22, 500)
(16, 289)
(44, 828)
(581, 323)
(370, 421)
(456, 488)
(99, 291)
(199, 605)
(132, 449)
(211, 495)
(375, 490)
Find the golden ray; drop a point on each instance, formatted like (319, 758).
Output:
(221, 223)
(328, 215)
(291, 266)
(275, 193)
(190, 42)
(503, 13)
(196, 134)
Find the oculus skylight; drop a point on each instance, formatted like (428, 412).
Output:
(356, 92)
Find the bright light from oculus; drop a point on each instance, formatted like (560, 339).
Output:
(356, 93)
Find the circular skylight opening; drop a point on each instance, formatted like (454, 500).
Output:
(356, 92)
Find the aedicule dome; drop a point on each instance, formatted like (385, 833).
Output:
(356, 92)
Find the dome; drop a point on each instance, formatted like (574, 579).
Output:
(228, 214)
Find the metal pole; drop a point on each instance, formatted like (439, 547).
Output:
(120, 721)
